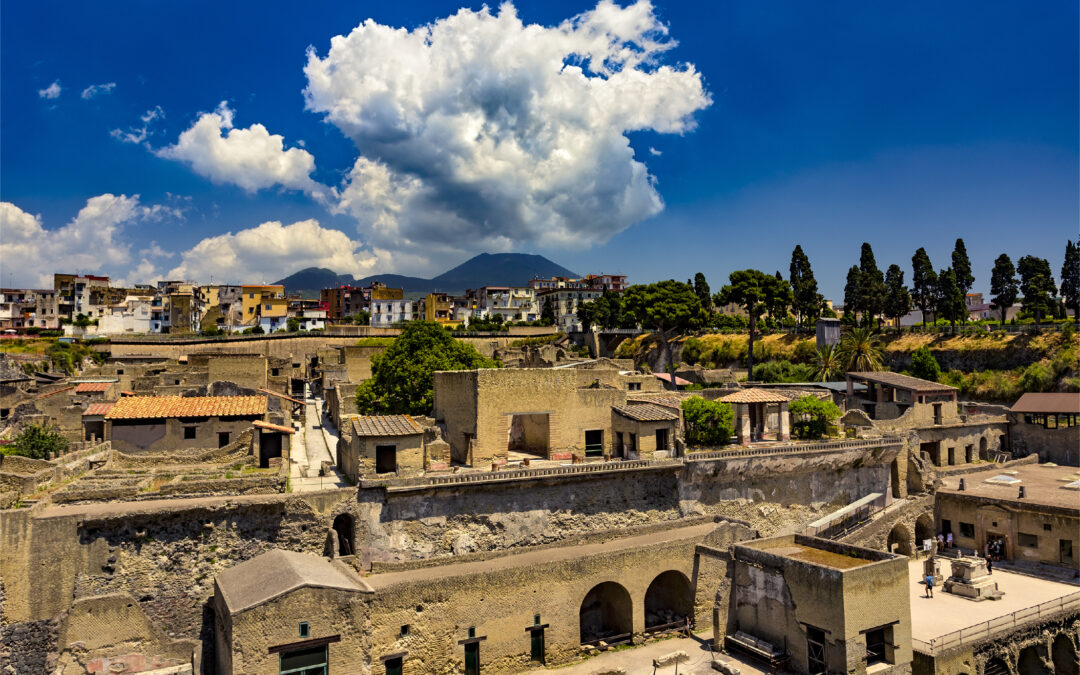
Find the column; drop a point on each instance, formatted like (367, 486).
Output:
(785, 422)
(742, 425)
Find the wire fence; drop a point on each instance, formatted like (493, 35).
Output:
(997, 626)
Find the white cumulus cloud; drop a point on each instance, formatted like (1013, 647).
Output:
(271, 251)
(478, 131)
(251, 158)
(96, 89)
(90, 243)
(51, 91)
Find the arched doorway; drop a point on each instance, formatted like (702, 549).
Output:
(924, 528)
(1030, 663)
(1063, 653)
(344, 529)
(606, 614)
(894, 479)
(669, 601)
(996, 666)
(900, 540)
(983, 453)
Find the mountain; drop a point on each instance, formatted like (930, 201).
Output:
(486, 269)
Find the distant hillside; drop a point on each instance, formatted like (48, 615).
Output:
(486, 269)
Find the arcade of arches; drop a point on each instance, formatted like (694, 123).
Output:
(607, 611)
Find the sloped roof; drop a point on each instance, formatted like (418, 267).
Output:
(666, 377)
(664, 400)
(46, 395)
(274, 393)
(98, 409)
(645, 412)
(88, 387)
(273, 427)
(277, 572)
(386, 425)
(901, 381)
(1048, 403)
(754, 396)
(159, 407)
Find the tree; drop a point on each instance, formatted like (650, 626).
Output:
(37, 442)
(667, 307)
(701, 290)
(1004, 287)
(361, 318)
(860, 350)
(852, 299)
(1037, 286)
(1070, 278)
(293, 324)
(961, 266)
(924, 365)
(778, 297)
(811, 415)
(748, 288)
(827, 364)
(950, 301)
(708, 423)
(804, 288)
(924, 283)
(897, 298)
(547, 312)
(871, 285)
(402, 377)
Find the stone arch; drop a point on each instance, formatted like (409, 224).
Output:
(1031, 663)
(996, 666)
(668, 600)
(924, 528)
(606, 612)
(1063, 654)
(900, 540)
(345, 534)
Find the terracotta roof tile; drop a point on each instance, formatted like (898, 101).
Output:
(87, 387)
(98, 409)
(900, 381)
(645, 412)
(659, 399)
(754, 396)
(274, 427)
(159, 407)
(386, 425)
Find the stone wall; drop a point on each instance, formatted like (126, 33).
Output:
(1049, 644)
(1061, 445)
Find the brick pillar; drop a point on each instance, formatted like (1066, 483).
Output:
(785, 422)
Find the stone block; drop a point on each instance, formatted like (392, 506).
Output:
(670, 659)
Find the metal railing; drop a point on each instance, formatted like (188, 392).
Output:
(477, 477)
(844, 521)
(795, 448)
(999, 625)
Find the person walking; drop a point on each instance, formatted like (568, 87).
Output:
(989, 565)
(929, 585)
(948, 540)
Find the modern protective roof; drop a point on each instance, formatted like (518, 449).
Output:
(659, 399)
(754, 396)
(1048, 403)
(645, 412)
(98, 409)
(88, 387)
(900, 381)
(160, 407)
(277, 572)
(386, 425)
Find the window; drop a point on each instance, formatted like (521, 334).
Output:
(594, 442)
(967, 530)
(875, 646)
(1047, 527)
(304, 662)
(189, 433)
(273, 372)
(223, 438)
(304, 629)
(472, 631)
(1027, 540)
(393, 665)
(405, 630)
(634, 386)
(119, 371)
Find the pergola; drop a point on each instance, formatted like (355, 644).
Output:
(752, 413)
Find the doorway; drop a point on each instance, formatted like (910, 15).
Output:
(529, 434)
(472, 658)
(661, 439)
(594, 442)
(1065, 552)
(815, 651)
(385, 459)
(312, 661)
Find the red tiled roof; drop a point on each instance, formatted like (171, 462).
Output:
(645, 412)
(98, 409)
(159, 407)
(87, 387)
(386, 425)
(55, 392)
(754, 396)
(274, 427)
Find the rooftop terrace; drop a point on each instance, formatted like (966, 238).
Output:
(1044, 484)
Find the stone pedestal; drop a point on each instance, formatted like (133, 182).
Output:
(971, 580)
(932, 567)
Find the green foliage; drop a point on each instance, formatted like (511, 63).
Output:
(756, 292)
(924, 282)
(1070, 277)
(362, 318)
(782, 371)
(69, 357)
(533, 341)
(667, 307)
(1037, 378)
(805, 352)
(871, 285)
(293, 324)
(806, 301)
(924, 365)
(708, 423)
(1036, 285)
(701, 290)
(897, 298)
(810, 416)
(961, 266)
(950, 299)
(828, 364)
(860, 350)
(547, 312)
(1004, 287)
(403, 375)
(254, 330)
(375, 342)
(36, 442)
(494, 324)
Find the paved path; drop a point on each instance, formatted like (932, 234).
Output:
(315, 445)
(638, 661)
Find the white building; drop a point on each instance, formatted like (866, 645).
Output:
(512, 303)
(566, 302)
(386, 313)
(312, 319)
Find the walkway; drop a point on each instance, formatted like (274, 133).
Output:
(315, 445)
(639, 660)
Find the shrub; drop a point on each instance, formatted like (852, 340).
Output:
(811, 416)
(924, 365)
(1037, 377)
(708, 423)
(805, 351)
(782, 371)
(36, 442)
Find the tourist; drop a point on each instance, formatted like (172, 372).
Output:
(989, 565)
(940, 541)
(948, 540)
(929, 585)
(986, 550)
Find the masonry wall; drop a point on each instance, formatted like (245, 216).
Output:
(168, 434)
(455, 405)
(1061, 445)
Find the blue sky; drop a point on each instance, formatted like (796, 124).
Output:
(826, 125)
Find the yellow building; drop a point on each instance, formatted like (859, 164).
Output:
(438, 308)
(260, 300)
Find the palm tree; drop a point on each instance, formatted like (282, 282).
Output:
(827, 364)
(860, 350)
